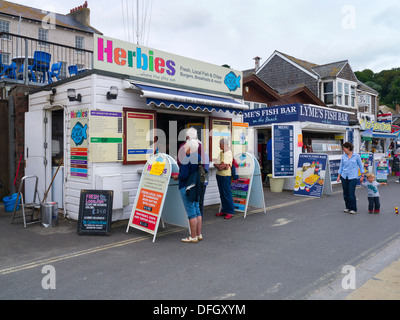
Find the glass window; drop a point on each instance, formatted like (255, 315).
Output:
(79, 42)
(353, 96)
(340, 93)
(43, 35)
(328, 92)
(5, 27)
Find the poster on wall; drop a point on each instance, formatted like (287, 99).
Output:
(310, 175)
(367, 160)
(105, 132)
(282, 151)
(239, 137)
(381, 170)
(139, 136)
(221, 128)
(334, 166)
(79, 144)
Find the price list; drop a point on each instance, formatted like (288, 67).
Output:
(283, 151)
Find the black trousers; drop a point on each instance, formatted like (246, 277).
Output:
(374, 202)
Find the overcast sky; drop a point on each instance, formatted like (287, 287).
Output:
(233, 32)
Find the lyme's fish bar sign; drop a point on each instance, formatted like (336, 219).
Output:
(157, 66)
(295, 112)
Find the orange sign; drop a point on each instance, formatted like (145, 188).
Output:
(150, 201)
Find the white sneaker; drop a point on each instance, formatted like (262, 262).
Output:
(397, 181)
(346, 210)
(352, 212)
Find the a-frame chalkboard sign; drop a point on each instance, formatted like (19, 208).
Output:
(95, 212)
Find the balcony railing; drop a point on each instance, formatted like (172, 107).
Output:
(46, 61)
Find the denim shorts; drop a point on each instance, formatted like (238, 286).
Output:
(192, 208)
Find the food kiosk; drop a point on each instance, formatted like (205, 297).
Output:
(312, 129)
(135, 102)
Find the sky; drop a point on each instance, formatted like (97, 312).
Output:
(233, 32)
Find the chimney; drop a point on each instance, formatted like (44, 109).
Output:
(81, 14)
(257, 63)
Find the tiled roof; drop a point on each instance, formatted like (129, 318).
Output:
(305, 64)
(330, 70)
(29, 13)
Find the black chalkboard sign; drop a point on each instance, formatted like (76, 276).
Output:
(95, 212)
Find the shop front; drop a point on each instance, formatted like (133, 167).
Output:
(377, 143)
(136, 102)
(299, 128)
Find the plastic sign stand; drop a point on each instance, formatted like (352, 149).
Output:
(248, 190)
(155, 200)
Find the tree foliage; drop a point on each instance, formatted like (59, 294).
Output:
(386, 82)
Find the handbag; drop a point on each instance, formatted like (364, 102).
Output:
(234, 170)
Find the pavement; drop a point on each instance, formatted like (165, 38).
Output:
(378, 278)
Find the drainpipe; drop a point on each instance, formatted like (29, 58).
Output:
(11, 142)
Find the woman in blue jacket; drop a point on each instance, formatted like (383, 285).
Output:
(348, 175)
(188, 182)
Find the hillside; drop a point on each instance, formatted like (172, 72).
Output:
(386, 82)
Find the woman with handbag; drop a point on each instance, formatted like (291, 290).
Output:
(190, 189)
(224, 177)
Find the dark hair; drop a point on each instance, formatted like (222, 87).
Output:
(348, 145)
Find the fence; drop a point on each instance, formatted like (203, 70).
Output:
(47, 61)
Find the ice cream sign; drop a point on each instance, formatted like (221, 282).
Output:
(157, 66)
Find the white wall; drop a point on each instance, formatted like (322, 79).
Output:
(93, 89)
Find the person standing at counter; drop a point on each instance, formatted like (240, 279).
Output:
(348, 175)
(190, 190)
(224, 177)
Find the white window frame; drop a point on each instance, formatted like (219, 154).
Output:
(5, 27)
(43, 35)
(348, 94)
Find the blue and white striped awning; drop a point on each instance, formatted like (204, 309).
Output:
(188, 100)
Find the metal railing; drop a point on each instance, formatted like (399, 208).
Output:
(17, 51)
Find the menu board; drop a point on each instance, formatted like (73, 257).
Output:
(150, 197)
(239, 137)
(105, 131)
(334, 166)
(79, 144)
(139, 136)
(283, 150)
(95, 212)
(221, 128)
(310, 174)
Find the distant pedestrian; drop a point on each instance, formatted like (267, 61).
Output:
(350, 165)
(224, 177)
(189, 188)
(371, 184)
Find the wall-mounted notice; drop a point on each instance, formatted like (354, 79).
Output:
(311, 172)
(283, 151)
(239, 137)
(79, 144)
(139, 136)
(95, 212)
(221, 128)
(105, 132)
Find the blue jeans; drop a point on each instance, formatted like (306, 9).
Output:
(225, 193)
(349, 193)
(192, 208)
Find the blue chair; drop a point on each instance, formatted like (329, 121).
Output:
(73, 70)
(7, 71)
(41, 63)
(54, 72)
